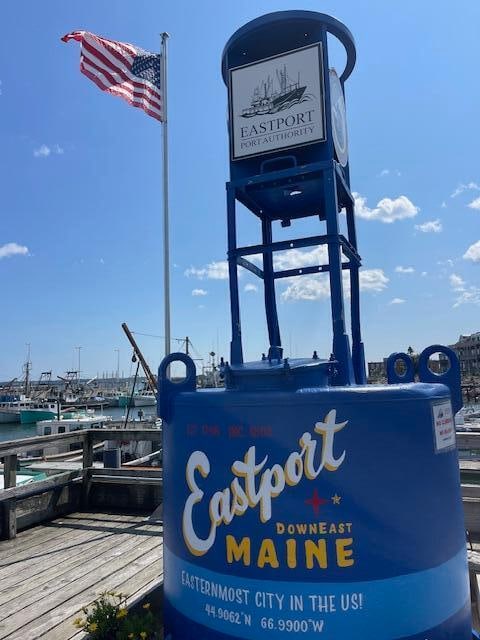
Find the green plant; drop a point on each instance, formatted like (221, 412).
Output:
(109, 619)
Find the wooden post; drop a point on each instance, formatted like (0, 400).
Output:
(9, 529)
(10, 471)
(87, 465)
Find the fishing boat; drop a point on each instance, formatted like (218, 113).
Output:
(10, 411)
(265, 100)
(139, 399)
(69, 422)
(38, 411)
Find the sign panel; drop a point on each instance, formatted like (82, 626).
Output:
(277, 103)
(443, 426)
(339, 118)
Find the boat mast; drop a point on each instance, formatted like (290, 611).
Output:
(28, 365)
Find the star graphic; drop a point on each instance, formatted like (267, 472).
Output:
(316, 502)
(336, 499)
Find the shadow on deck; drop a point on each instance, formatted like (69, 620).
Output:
(48, 573)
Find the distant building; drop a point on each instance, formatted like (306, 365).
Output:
(468, 351)
(377, 371)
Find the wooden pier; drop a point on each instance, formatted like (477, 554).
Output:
(93, 532)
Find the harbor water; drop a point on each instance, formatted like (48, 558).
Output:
(16, 431)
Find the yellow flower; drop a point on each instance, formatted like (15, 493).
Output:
(143, 635)
(93, 626)
(122, 613)
(146, 605)
(78, 622)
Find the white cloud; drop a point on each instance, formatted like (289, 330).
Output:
(250, 287)
(432, 226)
(317, 287)
(456, 282)
(102, 261)
(387, 172)
(468, 296)
(12, 249)
(296, 259)
(397, 301)
(448, 262)
(213, 271)
(199, 292)
(387, 210)
(372, 280)
(443, 205)
(44, 151)
(475, 204)
(424, 273)
(470, 186)
(473, 252)
(401, 269)
(301, 288)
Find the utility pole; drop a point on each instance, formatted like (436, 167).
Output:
(79, 349)
(118, 364)
(187, 346)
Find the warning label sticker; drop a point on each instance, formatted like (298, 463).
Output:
(443, 426)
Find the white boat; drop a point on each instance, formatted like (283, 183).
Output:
(144, 399)
(71, 421)
(10, 411)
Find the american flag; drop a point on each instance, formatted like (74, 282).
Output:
(122, 69)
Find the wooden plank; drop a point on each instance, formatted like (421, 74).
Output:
(39, 617)
(150, 435)
(138, 579)
(10, 471)
(87, 464)
(472, 466)
(23, 581)
(468, 440)
(142, 480)
(153, 472)
(9, 527)
(76, 536)
(53, 529)
(117, 546)
(470, 490)
(27, 563)
(39, 442)
(40, 486)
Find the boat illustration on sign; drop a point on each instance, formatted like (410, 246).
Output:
(266, 100)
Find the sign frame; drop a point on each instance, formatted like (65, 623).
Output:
(322, 102)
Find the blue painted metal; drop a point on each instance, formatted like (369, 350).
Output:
(300, 502)
(396, 378)
(450, 378)
(377, 478)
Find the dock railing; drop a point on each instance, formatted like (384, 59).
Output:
(67, 491)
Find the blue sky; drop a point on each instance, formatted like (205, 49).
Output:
(80, 240)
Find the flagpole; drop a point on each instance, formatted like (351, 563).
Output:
(166, 241)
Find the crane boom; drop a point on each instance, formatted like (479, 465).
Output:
(152, 383)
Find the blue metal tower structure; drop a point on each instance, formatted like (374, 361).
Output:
(289, 184)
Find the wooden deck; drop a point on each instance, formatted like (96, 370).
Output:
(49, 572)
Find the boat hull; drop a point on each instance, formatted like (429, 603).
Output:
(9, 417)
(31, 416)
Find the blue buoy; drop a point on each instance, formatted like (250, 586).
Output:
(299, 501)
